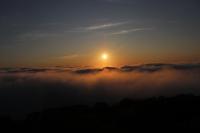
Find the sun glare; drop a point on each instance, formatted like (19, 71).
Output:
(104, 56)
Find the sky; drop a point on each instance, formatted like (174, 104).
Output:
(77, 32)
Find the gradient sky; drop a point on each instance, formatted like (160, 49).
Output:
(76, 32)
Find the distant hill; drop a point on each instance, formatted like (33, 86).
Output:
(178, 113)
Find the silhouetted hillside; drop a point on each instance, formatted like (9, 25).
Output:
(158, 114)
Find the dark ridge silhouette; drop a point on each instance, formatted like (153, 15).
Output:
(88, 71)
(154, 67)
(111, 68)
(180, 113)
(186, 66)
(129, 68)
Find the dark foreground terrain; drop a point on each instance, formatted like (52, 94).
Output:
(180, 113)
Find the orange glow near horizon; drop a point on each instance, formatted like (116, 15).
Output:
(103, 59)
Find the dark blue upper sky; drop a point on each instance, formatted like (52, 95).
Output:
(73, 32)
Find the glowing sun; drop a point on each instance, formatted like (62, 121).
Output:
(104, 56)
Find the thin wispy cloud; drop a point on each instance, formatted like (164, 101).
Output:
(72, 56)
(112, 0)
(120, 1)
(35, 35)
(104, 26)
(130, 31)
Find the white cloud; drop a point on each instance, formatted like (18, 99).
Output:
(130, 31)
(98, 27)
(104, 26)
(72, 56)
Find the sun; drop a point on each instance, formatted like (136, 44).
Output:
(104, 56)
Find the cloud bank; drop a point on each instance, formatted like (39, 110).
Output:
(32, 89)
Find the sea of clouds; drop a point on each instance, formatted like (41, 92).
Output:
(24, 90)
